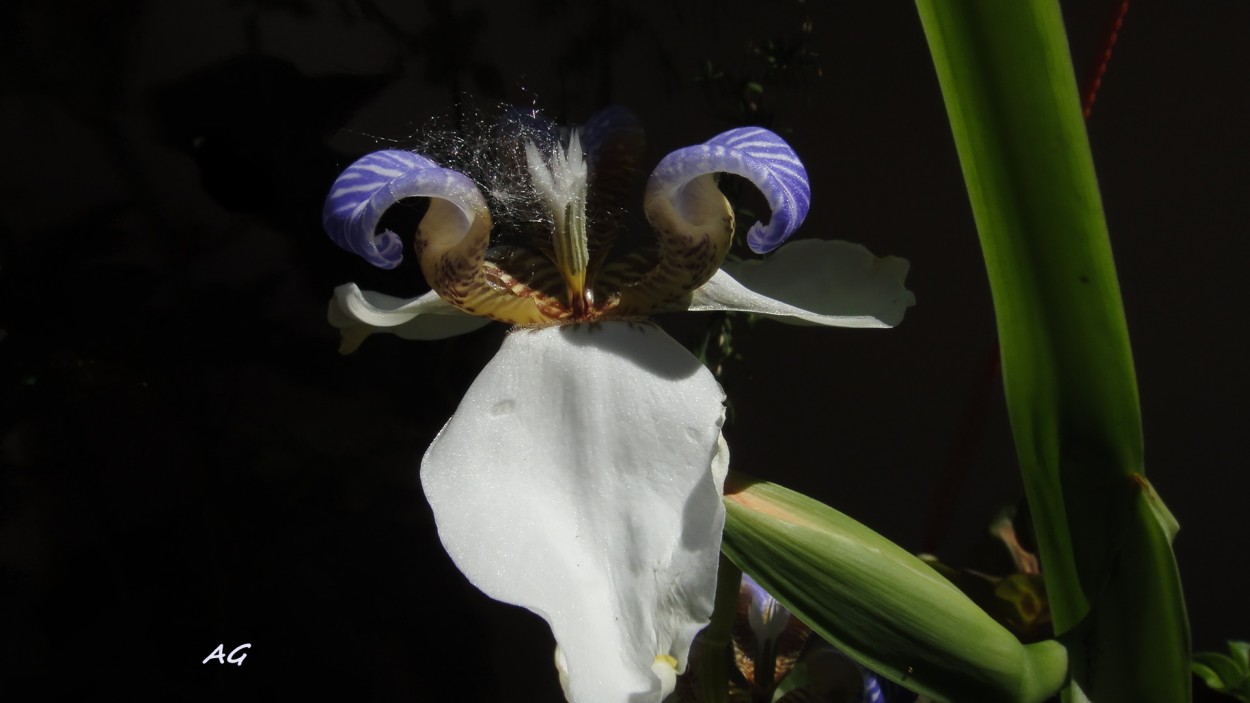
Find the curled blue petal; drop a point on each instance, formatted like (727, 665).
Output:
(877, 690)
(757, 155)
(367, 188)
(872, 688)
(766, 616)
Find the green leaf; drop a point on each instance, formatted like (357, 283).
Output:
(1224, 673)
(879, 604)
(1210, 675)
(1219, 672)
(1103, 535)
(1241, 654)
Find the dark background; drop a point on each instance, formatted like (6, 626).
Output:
(188, 462)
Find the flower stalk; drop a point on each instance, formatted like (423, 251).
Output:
(1104, 536)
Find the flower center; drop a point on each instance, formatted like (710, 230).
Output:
(560, 183)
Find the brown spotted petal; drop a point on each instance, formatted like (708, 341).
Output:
(693, 221)
(451, 240)
(614, 142)
(694, 227)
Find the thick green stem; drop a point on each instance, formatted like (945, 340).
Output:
(713, 642)
(1011, 95)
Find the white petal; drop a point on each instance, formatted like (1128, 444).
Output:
(838, 284)
(577, 479)
(360, 312)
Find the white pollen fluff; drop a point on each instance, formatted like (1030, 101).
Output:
(560, 179)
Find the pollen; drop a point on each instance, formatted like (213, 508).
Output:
(665, 669)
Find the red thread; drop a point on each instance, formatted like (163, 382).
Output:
(1104, 57)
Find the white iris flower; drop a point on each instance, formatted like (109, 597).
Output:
(581, 476)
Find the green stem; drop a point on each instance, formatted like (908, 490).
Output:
(1010, 92)
(714, 654)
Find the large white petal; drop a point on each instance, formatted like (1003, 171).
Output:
(581, 478)
(358, 313)
(833, 283)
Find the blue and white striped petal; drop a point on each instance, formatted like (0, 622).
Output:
(765, 615)
(375, 182)
(761, 157)
(878, 690)
(872, 688)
